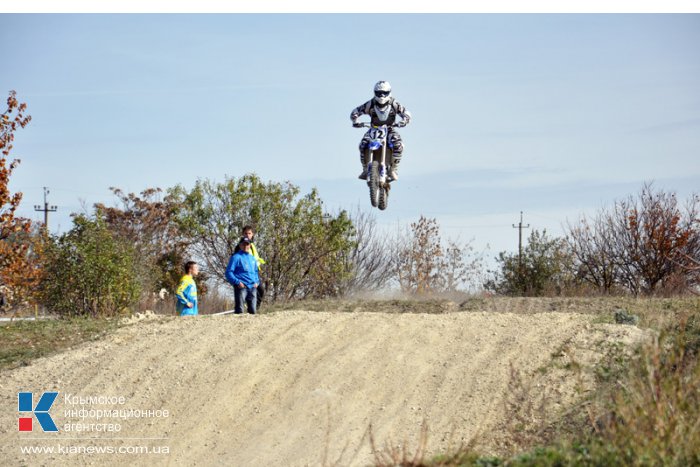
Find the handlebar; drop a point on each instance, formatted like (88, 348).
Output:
(369, 125)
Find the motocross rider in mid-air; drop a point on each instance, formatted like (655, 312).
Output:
(383, 110)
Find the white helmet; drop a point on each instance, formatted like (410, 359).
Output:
(382, 91)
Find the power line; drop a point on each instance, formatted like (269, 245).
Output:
(46, 209)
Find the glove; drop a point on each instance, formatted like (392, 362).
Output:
(357, 124)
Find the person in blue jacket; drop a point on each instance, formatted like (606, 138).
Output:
(186, 293)
(242, 274)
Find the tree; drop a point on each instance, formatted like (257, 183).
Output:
(459, 266)
(148, 223)
(692, 269)
(592, 245)
(418, 257)
(18, 271)
(546, 268)
(655, 236)
(90, 271)
(369, 262)
(423, 266)
(305, 249)
(645, 244)
(22, 273)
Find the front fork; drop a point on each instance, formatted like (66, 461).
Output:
(382, 168)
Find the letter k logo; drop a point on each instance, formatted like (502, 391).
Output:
(41, 411)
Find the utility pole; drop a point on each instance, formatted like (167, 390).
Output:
(520, 228)
(46, 209)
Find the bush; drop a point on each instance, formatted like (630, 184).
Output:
(544, 268)
(89, 271)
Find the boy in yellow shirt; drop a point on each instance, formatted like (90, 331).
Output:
(186, 293)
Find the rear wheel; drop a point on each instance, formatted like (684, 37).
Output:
(383, 198)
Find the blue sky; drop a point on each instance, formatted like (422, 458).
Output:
(551, 114)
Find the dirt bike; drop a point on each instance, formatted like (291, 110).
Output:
(377, 155)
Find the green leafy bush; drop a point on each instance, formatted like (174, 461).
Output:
(89, 272)
(545, 267)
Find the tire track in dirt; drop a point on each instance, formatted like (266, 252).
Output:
(298, 387)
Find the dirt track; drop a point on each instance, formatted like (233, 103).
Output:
(300, 387)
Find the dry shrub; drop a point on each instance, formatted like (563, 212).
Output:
(391, 453)
(652, 416)
(394, 454)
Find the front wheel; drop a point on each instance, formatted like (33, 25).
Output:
(373, 183)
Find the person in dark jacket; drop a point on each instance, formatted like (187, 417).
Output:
(242, 274)
(249, 232)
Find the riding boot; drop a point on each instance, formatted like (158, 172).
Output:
(363, 175)
(393, 171)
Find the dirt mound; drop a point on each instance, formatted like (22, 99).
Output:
(294, 387)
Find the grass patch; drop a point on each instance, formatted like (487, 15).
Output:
(646, 409)
(23, 341)
(651, 415)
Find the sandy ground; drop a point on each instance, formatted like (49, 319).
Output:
(296, 387)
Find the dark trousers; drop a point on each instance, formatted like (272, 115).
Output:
(260, 295)
(248, 295)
